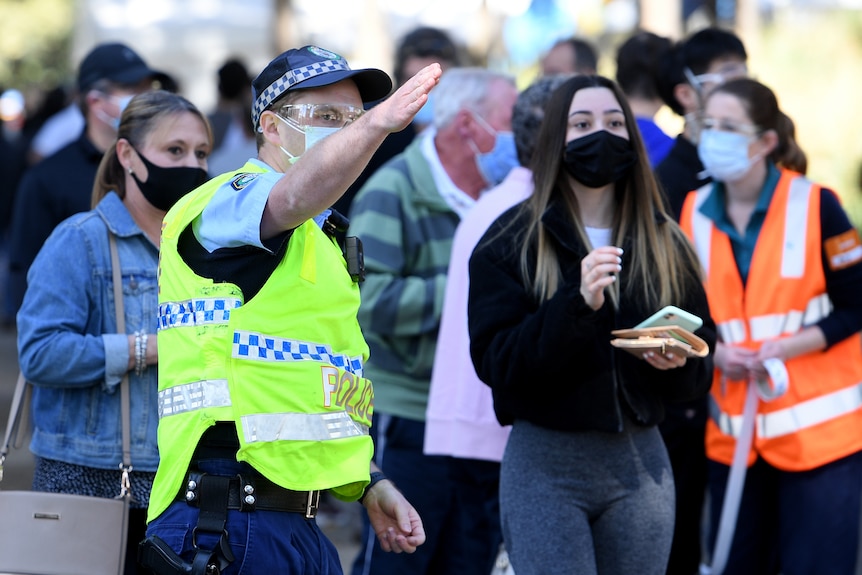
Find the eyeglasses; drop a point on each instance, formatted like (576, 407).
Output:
(729, 72)
(328, 115)
(749, 130)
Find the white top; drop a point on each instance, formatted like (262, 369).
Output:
(599, 237)
(457, 199)
(60, 129)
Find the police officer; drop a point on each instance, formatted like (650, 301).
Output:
(262, 398)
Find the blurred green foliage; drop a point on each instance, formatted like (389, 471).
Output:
(34, 45)
(812, 59)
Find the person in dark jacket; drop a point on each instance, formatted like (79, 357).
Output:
(687, 74)
(586, 485)
(692, 68)
(61, 185)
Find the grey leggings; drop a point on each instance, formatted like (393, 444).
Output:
(586, 503)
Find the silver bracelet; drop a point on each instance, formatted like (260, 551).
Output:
(140, 352)
(137, 349)
(144, 337)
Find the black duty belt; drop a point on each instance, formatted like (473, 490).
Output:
(258, 493)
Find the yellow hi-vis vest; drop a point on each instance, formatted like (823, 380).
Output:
(285, 367)
(819, 419)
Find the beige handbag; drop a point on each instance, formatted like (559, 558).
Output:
(58, 534)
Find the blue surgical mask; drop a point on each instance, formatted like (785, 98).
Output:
(425, 115)
(496, 164)
(725, 154)
(313, 134)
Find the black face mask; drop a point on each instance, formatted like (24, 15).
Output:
(165, 186)
(599, 159)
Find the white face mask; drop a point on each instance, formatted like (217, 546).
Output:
(122, 102)
(725, 154)
(313, 134)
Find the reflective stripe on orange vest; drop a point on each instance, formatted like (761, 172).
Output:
(773, 325)
(793, 419)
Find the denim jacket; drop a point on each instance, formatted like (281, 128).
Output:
(69, 348)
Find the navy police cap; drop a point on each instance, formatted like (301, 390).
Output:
(312, 67)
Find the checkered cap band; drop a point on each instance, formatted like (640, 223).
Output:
(290, 79)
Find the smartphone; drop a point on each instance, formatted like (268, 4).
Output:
(672, 315)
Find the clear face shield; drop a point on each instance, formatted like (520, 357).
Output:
(316, 121)
(320, 115)
(705, 83)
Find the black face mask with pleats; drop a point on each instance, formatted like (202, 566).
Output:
(598, 159)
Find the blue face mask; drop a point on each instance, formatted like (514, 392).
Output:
(425, 115)
(725, 154)
(496, 164)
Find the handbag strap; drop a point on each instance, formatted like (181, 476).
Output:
(21, 396)
(125, 399)
(20, 399)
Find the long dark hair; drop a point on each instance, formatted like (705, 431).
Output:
(660, 269)
(140, 117)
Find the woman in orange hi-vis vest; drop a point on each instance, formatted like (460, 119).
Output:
(783, 268)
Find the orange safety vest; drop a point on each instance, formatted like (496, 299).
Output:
(819, 419)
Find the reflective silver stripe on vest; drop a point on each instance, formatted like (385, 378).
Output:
(793, 419)
(259, 347)
(196, 311)
(771, 326)
(795, 229)
(300, 427)
(731, 331)
(701, 227)
(728, 424)
(774, 325)
(192, 396)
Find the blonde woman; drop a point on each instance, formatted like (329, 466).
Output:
(67, 341)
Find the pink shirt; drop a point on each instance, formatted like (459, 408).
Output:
(460, 419)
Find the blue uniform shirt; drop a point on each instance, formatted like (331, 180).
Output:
(232, 219)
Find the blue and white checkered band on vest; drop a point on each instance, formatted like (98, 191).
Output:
(293, 77)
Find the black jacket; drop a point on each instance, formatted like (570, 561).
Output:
(552, 364)
(59, 186)
(680, 172)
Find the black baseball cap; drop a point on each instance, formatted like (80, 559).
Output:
(313, 67)
(114, 62)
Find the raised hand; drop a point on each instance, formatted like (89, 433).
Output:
(397, 111)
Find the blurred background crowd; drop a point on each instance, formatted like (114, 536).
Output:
(808, 51)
